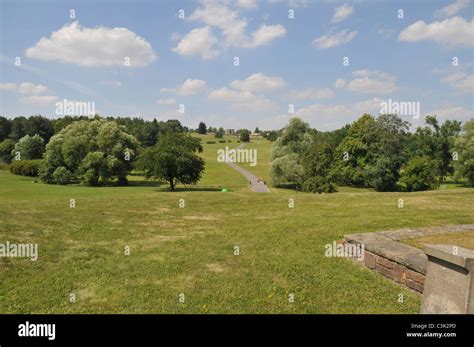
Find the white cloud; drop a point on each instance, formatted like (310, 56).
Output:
(371, 81)
(242, 100)
(91, 47)
(264, 35)
(312, 93)
(453, 112)
(200, 42)
(455, 31)
(258, 83)
(24, 88)
(233, 26)
(451, 9)
(40, 99)
(234, 96)
(460, 81)
(247, 4)
(342, 12)
(329, 41)
(189, 87)
(170, 101)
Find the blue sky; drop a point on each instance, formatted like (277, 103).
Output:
(283, 61)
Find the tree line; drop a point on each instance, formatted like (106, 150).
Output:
(374, 152)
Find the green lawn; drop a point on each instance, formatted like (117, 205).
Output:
(191, 250)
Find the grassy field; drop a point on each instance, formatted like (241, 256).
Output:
(190, 250)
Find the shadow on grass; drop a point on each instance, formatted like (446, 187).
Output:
(189, 189)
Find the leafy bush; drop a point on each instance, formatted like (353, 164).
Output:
(318, 184)
(244, 135)
(382, 175)
(62, 175)
(420, 173)
(94, 151)
(25, 167)
(222, 141)
(6, 148)
(219, 135)
(229, 141)
(210, 142)
(29, 147)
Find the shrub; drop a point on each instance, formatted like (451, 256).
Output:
(62, 175)
(210, 142)
(29, 147)
(420, 173)
(318, 184)
(25, 167)
(229, 141)
(222, 141)
(244, 135)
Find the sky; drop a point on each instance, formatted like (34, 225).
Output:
(327, 62)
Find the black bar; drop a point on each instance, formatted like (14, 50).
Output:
(366, 330)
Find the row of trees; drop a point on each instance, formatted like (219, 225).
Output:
(103, 151)
(379, 153)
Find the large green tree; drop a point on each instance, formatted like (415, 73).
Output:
(95, 152)
(436, 141)
(173, 159)
(287, 155)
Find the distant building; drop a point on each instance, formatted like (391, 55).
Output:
(229, 131)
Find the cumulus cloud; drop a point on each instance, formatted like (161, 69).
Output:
(200, 42)
(233, 26)
(264, 35)
(461, 81)
(312, 93)
(369, 81)
(24, 88)
(451, 9)
(230, 95)
(329, 41)
(242, 100)
(342, 12)
(258, 83)
(455, 31)
(93, 47)
(189, 87)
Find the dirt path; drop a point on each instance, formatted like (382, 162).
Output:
(256, 187)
